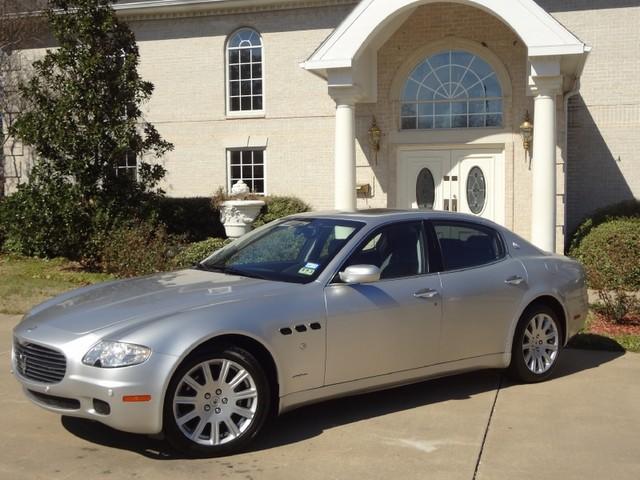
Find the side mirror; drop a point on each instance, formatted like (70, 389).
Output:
(360, 274)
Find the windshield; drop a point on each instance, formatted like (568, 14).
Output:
(294, 250)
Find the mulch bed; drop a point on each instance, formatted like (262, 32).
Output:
(629, 326)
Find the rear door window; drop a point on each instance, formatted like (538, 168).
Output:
(466, 245)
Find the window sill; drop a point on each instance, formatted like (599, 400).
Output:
(245, 115)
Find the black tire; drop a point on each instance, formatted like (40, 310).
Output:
(191, 448)
(518, 369)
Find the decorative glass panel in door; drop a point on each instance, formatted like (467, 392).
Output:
(476, 190)
(425, 189)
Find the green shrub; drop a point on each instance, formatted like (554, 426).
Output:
(610, 253)
(139, 248)
(628, 208)
(196, 252)
(45, 220)
(278, 207)
(194, 218)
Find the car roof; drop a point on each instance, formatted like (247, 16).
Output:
(382, 215)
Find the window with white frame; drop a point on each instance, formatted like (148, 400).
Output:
(248, 166)
(245, 74)
(128, 165)
(452, 89)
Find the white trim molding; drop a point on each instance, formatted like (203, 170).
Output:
(147, 9)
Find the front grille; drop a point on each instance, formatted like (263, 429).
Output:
(40, 363)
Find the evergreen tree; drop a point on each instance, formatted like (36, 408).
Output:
(82, 119)
(83, 116)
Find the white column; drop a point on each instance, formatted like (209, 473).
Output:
(345, 156)
(543, 215)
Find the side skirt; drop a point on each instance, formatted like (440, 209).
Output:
(391, 380)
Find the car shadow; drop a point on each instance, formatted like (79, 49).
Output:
(311, 421)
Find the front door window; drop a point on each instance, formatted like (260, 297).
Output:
(454, 181)
(476, 190)
(425, 189)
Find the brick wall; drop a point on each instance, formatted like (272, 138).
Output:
(603, 164)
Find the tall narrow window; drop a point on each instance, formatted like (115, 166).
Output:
(244, 58)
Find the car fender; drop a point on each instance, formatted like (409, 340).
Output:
(537, 289)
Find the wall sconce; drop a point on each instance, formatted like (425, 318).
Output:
(375, 135)
(527, 132)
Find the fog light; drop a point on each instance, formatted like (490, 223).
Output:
(101, 407)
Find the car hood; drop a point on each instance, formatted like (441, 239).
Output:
(142, 299)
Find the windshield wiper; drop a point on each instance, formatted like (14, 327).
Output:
(243, 273)
(209, 268)
(228, 270)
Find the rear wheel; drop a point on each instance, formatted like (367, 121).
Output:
(536, 344)
(216, 403)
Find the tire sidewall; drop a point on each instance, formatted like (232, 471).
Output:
(518, 368)
(175, 436)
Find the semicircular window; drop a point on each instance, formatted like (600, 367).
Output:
(476, 190)
(452, 89)
(425, 189)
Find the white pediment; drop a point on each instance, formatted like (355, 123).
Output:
(374, 21)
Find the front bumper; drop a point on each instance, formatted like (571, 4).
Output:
(83, 388)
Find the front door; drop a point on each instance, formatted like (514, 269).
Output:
(467, 181)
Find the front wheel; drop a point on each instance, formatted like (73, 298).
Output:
(536, 344)
(216, 403)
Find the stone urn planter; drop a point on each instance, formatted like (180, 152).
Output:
(238, 215)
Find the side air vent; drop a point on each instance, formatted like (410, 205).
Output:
(286, 331)
(315, 326)
(301, 328)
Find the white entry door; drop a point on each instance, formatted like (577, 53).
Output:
(468, 181)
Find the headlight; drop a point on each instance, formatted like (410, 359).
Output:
(107, 354)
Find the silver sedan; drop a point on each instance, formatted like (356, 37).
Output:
(307, 308)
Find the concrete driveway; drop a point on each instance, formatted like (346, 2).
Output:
(583, 424)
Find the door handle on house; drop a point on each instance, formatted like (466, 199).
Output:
(426, 293)
(515, 280)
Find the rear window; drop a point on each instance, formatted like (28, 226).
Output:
(466, 245)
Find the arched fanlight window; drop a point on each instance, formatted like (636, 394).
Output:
(244, 60)
(452, 89)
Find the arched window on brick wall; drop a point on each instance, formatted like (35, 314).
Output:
(244, 72)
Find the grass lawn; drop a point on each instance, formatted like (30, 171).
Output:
(25, 282)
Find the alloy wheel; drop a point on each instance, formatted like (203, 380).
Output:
(215, 402)
(540, 343)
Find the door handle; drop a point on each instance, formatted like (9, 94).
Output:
(426, 293)
(515, 280)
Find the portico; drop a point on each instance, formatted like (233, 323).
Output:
(454, 94)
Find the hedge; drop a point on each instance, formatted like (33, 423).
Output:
(196, 252)
(625, 209)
